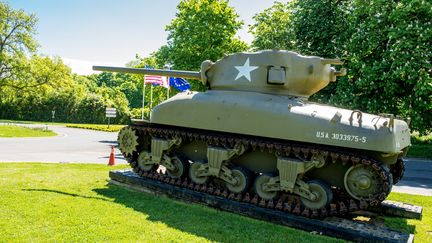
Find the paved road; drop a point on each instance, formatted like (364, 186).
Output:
(417, 178)
(87, 146)
(71, 145)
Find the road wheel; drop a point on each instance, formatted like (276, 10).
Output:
(323, 195)
(258, 187)
(143, 162)
(194, 170)
(181, 168)
(243, 177)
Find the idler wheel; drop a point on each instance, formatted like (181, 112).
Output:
(243, 179)
(258, 187)
(397, 170)
(362, 182)
(143, 158)
(181, 168)
(322, 194)
(194, 173)
(127, 140)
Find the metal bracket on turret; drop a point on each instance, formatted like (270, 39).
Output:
(159, 146)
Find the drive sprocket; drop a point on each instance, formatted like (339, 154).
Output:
(127, 140)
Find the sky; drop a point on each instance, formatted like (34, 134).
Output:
(111, 32)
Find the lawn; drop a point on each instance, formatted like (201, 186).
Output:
(423, 151)
(98, 127)
(19, 131)
(421, 228)
(73, 202)
(421, 146)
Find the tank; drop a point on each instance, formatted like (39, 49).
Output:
(255, 132)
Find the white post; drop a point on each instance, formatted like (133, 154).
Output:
(143, 101)
(168, 89)
(151, 97)
(168, 66)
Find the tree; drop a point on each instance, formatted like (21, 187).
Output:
(321, 27)
(41, 75)
(390, 69)
(202, 30)
(308, 27)
(273, 28)
(385, 46)
(16, 41)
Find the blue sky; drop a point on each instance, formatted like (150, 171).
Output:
(111, 32)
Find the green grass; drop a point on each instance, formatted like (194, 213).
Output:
(98, 127)
(421, 228)
(416, 138)
(421, 146)
(112, 128)
(19, 131)
(31, 122)
(72, 202)
(423, 151)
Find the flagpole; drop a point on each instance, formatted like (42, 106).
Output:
(143, 100)
(168, 89)
(168, 66)
(151, 98)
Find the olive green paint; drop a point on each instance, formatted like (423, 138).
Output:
(265, 94)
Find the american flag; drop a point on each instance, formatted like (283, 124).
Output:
(156, 80)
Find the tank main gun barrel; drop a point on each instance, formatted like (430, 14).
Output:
(168, 73)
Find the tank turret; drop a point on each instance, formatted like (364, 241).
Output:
(273, 72)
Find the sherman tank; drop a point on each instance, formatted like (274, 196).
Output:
(254, 133)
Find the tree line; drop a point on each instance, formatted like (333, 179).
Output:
(385, 46)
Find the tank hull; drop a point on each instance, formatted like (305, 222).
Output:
(287, 118)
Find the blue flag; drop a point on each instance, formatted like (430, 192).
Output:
(179, 83)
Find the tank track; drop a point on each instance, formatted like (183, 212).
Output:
(341, 204)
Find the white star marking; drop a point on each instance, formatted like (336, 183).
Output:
(245, 70)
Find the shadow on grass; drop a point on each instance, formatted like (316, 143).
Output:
(399, 224)
(201, 221)
(220, 226)
(65, 193)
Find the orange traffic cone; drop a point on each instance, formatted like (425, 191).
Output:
(111, 159)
